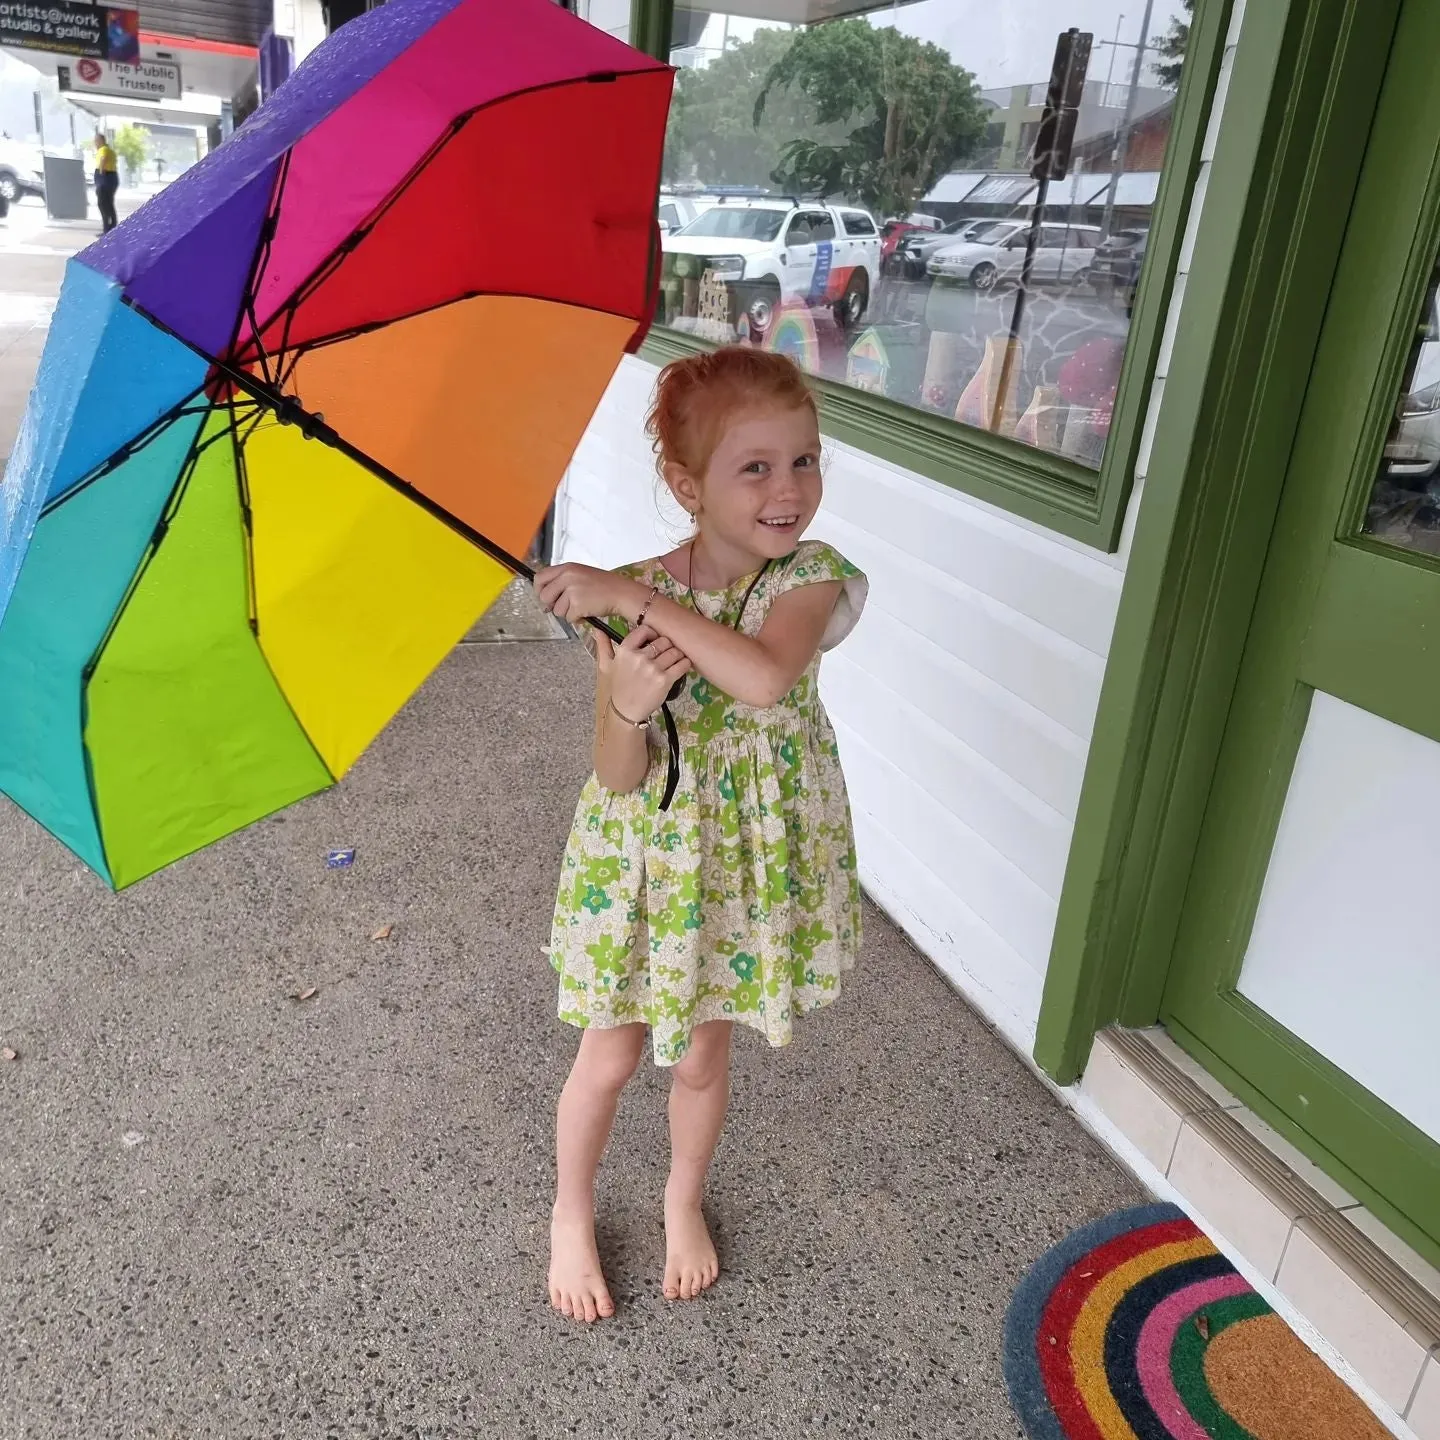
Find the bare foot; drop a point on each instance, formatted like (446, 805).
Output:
(577, 1286)
(691, 1264)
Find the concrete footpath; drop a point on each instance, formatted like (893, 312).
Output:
(226, 1211)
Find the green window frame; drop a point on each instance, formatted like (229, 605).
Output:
(1057, 493)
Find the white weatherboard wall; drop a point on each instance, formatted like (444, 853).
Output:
(963, 701)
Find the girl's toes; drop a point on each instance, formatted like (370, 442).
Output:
(605, 1307)
(589, 1315)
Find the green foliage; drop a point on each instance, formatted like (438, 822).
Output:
(918, 113)
(1170, 47)
(845, 109)
(132, 145)
(713, 138)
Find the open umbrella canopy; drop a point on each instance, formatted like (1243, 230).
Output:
(293, 416)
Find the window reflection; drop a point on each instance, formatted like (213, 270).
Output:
(852, 184)
(1404, 504)
(612, 16)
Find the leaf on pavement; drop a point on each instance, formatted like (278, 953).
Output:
(308, 994)
(383, 933)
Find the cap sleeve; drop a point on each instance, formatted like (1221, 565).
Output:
(815, 562)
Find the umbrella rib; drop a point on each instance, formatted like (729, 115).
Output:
(129, 450)
(247, 523)
(260, 258)
(369, 328)
(332, 262)
(157, 535)
(327, 267)
(247, 520)
(289, 411)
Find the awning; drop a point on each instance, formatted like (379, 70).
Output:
(1135, 189)
(228, 22)
(1002, 190)
(955, 187)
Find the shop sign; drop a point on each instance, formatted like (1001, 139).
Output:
(149, 80)
(71, 27)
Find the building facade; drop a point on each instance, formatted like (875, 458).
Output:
(1143, 721)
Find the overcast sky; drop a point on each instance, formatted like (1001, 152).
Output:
(1008, 42)
(1011, 42)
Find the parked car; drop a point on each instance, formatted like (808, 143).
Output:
(997, 252)
(892, 232)
(1412, 451)
(775, 251)
(916, 247)
(22, 170)
(1115, 270)
(676, 211)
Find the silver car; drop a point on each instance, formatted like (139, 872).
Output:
(996, 252)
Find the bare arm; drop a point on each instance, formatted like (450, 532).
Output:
(631, 680)
(757, 670)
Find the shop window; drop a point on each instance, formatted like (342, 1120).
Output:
(912, 125)
(612, 16)
(1404, 506)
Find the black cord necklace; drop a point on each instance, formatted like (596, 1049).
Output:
(694, 601)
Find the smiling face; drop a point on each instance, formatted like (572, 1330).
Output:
(761, 487)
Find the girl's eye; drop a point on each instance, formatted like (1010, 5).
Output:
(755, 467)
(805, 462)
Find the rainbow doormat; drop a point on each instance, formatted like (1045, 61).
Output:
(1137, 1328)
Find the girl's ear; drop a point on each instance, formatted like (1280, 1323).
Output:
(682, 486)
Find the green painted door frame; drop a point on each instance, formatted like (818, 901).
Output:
(1306, 76)
(1343, 615)
(1307, 81)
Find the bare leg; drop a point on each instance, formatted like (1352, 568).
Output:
(699, 1095)
(604, 1064)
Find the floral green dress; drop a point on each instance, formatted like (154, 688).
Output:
(741, 902)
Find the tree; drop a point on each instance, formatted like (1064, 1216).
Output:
(1170, 47)
(713, 138)
(918, 113)
(132, 145)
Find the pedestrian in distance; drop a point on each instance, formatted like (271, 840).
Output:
(740, 903)
(107, 181)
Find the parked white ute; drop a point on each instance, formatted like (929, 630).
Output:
(776, 251)
(674, 210)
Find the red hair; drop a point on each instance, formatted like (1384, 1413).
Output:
(696, 397)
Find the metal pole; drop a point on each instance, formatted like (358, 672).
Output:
(1018, 314)
(1114, 50)
(1117, 158)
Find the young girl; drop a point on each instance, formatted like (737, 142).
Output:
(740, 902)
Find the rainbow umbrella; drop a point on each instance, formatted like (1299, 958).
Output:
(295, 415)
